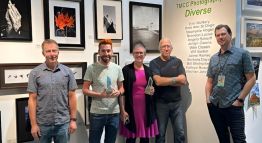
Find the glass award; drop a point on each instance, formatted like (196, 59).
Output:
(109, 89)
(149, 86)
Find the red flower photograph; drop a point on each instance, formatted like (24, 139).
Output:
(64, 22)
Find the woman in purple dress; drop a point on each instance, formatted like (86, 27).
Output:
(137, 108)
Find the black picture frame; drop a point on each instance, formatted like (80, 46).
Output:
(108, 19)
(69, 35)
(23, 121)
(114, 58)
(145, 25)
(21, 29)
(256, 63)
(0, 128)
(13, 76)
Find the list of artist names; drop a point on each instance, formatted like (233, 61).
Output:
(199, 37)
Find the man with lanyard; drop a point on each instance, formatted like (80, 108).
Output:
(230, 78)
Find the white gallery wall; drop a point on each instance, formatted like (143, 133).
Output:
(178, 24)
(30, 52)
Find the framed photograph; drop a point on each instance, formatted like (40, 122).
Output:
(16, 75)
(23, 121)
(145, 25)
(15, 20)
(64, 22)
(256, 63)
(0, 129)
(252, 33)
(108, 19)
(253, 5)
(114, 59)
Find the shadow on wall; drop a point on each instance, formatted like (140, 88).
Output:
(186, 102)
(186, 97)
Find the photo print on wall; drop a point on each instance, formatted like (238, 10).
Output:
(64, 22)
(252, 5)
(145, 25)
(252, 33)
(253, 98)
(15, 20)
(108, 19)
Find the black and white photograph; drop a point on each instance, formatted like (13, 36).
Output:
(145, 25)
(15, 20)
(114, 58)
(14, 76)
(108, 19)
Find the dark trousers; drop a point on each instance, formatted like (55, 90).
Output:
(175, 112)
(226, 121)
(100, 121)
(133, 140)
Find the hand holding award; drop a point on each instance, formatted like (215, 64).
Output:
(149, 88)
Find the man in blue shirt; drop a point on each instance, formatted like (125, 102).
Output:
(230, 78)
(52, 98)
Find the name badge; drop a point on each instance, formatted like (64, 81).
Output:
(221, 80)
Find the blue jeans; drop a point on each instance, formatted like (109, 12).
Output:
(175, 112)
(225, 119)
(100, 121)
(59, 133)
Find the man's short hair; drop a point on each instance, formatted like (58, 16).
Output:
(225, 26)
(165, 38)
(104, 42)
(48, 41)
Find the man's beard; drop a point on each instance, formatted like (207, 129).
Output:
(105, 59)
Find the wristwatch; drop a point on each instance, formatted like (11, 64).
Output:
(72, 119)
(240, 100)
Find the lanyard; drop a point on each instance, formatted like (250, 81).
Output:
(221, 67)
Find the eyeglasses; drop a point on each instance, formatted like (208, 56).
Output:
(166, 46)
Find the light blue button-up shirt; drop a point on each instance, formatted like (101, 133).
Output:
(52, 87)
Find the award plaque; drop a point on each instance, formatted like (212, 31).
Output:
(149, 86)
(109, 89)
